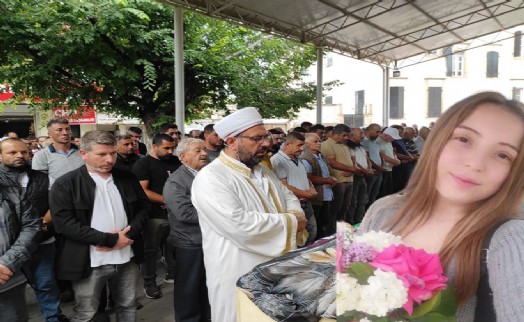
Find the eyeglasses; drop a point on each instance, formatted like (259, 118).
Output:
(257, 139)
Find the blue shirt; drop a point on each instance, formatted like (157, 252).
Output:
(373, 149)
(324, 169)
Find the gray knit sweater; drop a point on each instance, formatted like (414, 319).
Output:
(505, 262)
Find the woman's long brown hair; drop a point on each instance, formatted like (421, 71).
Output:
(463, 243)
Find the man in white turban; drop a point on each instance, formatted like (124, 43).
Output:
(246, 215)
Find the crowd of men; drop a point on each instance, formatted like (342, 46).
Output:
(87, 216)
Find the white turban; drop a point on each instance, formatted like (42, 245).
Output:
(238, 122)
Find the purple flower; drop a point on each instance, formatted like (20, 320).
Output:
(358, 252)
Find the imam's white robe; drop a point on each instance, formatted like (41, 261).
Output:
(242, 225)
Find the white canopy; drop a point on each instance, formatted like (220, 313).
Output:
(377, 31)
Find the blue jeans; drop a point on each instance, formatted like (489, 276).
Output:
(45, 287)
(122, 283)
(12, 305)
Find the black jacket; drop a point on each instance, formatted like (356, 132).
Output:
(22, 222)
(183, 216)
(71, 200)
(36, 193)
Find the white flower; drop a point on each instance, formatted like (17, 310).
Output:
(378, 239)
(383, 293)
(348, 293)
(365, 320)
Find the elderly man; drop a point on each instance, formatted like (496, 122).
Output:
(246, 214)
(318, 173)
(190, 296)
(99, 213)
(19, 226)
(339, 159)
(421, 138)
(293, 175)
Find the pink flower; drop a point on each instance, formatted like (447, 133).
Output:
(340, 256)
(420, 272)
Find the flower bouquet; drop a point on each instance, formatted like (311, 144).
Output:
(379, 279)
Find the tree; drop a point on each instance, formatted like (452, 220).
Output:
(117, 55)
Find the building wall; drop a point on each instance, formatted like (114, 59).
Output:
(416, 80)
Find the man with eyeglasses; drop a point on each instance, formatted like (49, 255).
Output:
(246, 214)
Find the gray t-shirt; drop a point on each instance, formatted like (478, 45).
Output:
(505, 262)
(56, 163)
(292, 170)
(212, 155)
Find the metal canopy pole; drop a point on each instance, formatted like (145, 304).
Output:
(179, 69)
(320, 56)
(385, 96)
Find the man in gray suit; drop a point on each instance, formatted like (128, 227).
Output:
(190, 295)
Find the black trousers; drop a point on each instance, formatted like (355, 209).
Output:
(326, 221)
(387, 186)
(190, 294)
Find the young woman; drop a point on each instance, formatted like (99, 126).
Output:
(468, 179)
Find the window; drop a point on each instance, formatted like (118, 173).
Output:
(434, 101)
(458, 65)
(492, 64)
(396, 102)
(454, 63)
(328, 100)
(518, 94)
(329, 59)
(518, 50)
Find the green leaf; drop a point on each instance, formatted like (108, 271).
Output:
(46, 46)
(435, 317)
(360, 271)
(448, 302)
(427, 306)
(443, 303)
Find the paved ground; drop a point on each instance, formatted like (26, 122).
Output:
(160, 310)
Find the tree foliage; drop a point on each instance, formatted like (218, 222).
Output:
(118, 56)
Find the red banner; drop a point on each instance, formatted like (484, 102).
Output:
(86, 115)
(6, 96)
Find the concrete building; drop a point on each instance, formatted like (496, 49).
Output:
(423, 87)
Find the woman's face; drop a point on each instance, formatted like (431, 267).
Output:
(478, 157)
